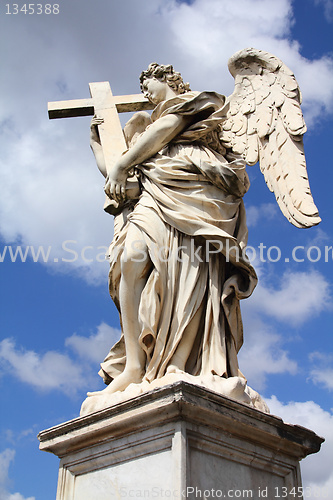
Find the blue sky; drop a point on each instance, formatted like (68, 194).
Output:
(57, 320)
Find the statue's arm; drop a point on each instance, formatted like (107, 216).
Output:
(96, 146)
(133, 128)
(158, 135)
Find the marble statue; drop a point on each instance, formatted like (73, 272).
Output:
(178, 267)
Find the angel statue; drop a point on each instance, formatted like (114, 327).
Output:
(178, 267)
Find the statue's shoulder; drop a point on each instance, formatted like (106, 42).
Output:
(189, 103)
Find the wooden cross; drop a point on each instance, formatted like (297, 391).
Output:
(107, 106)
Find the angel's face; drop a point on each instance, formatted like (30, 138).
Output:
(155, 90)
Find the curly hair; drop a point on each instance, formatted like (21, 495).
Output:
(165, 73)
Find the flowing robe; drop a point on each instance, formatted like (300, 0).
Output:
(192, 219)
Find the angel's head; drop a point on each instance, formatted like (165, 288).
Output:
(160, 82)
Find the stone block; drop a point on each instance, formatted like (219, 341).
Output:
(179, 441)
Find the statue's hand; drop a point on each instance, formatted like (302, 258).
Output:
(94, 135)
(115, 185)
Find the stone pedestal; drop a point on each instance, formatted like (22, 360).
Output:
(179, 441)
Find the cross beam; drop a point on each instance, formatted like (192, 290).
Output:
(107, 106)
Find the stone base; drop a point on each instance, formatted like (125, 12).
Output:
(179, 441)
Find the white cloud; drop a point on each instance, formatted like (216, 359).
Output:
(319, 238)
(14, 437)
(261, 212)
(45, 203)
(317, 94)
(6, 457)
(210, 31)
(59, 371)
(297, 297)
(328, 8)
(317, 472)
(266, 347)
(322, 371)
(95, 347)
(252, 216)
(323, 377)
(229, 23)
(51, 370)
(17, 496)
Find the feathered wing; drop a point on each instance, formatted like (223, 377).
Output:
(265, 123)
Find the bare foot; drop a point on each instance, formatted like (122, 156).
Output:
(174, 369)
(127, 377)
